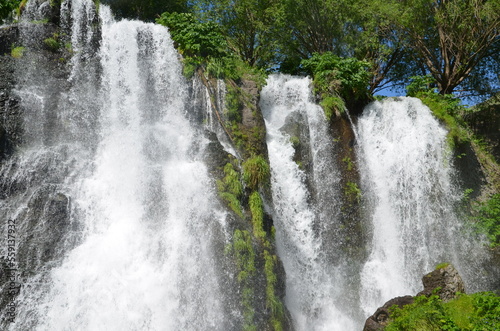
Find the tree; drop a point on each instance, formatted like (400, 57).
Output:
(249, 26)
(315, 26)
(452, 39)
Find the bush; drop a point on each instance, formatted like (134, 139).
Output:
(338, 80)
(194, 38)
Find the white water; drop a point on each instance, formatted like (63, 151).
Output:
(144, 204)
(313, 286)
(407, 178)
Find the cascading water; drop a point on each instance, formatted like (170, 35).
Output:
(305, 208)
(407, 181)
(117, 224)
(140, 205)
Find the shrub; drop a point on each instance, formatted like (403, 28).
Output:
(193, 38)
(338, 80)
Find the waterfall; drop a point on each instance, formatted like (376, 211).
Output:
(306, 205)
(407, 179)
(119, 155)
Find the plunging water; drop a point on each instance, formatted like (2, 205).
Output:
(314, 283)
(408, 183)
(138, 195)
(117, 221)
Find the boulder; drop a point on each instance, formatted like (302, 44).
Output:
(444, 281)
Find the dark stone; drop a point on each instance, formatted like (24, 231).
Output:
(469, 169)
(8, 37)
(378, 321)
(215, 155)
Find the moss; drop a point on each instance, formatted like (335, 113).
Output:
(349, 164)
(352, 192)
(442, 265)
(17, 52)
(257, 210)
(232, 202)
(256, 172)
(233, 104)
(52, 44)
(331, 105)
(273, 303)
(295, 141)
(232, 180)
(245, 261)
(230, 189)
(446, 109)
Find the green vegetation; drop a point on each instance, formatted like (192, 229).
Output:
(352, 192)
(52, 44)
(17, 52)
(245, 261)
(479, 311)
(145, 10)
(442, 265)
(337, 80)
(230, 189)
(273, 303)
(256, 172)
(257, 210)
(487, 219)
(7, 9)
(445, 107)
(192, 38)
(349, 164)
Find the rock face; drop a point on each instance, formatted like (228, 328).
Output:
(444, 282)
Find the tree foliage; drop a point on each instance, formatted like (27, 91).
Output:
(451, 38)
(7, 8)
(250, 26)
(194, 38)
(146, 10)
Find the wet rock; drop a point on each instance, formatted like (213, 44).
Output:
(444, 282)
(378, 321)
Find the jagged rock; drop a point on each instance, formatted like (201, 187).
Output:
(445, 282)
(378, 321)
